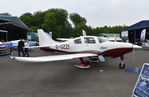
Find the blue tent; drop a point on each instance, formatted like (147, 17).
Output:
(134, 31)
(140, 25)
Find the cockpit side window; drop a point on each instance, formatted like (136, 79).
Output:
(77, 41)
(89, 40)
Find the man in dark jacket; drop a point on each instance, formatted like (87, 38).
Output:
(20, 48)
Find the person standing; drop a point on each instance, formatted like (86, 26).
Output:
(26, 46)
(20, 48)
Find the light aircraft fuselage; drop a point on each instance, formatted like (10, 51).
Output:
(80, 47)
(91, 44)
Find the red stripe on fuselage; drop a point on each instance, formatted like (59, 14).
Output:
(117, 52)
(54, 50)
(47, 49)
(112, 53)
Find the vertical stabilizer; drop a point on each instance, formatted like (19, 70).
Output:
(44, 38)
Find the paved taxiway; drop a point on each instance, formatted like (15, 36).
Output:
(62, 79)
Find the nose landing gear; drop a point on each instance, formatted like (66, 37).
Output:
(122, 65)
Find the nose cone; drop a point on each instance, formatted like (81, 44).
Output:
(136, 47)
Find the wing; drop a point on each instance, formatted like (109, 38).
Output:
(53, 58)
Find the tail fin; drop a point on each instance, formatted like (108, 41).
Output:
(44, 38)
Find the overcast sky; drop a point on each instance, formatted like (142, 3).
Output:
(97, 12)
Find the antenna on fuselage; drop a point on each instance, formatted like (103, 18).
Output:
(83, 33)
(50, 33)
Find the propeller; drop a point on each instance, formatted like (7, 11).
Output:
(134, 49)
(133, 53)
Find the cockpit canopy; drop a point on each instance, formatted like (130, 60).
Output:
(89, 40)
(102, 39)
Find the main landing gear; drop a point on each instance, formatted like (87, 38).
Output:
(122, 65)
(82, 64)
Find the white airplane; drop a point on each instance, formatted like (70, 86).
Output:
(14, 43)
(10, 44)
(91, 47)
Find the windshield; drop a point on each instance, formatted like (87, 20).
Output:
(101, 40)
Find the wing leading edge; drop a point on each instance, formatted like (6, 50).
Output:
(53, 58)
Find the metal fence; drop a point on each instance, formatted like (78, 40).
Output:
(4, 51)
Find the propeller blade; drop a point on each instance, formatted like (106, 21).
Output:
(133, 53)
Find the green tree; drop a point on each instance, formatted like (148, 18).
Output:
(77, 19)
(56, 20)
(80, 24)
(5, 14)
(27, 18)
(106, 29)
(38, 20)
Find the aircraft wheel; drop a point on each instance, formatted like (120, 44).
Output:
(121, 65)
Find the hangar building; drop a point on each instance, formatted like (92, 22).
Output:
(12, 28)
(134, 31)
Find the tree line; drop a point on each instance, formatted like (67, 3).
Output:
(58, 21)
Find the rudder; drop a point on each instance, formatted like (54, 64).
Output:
(44, 38)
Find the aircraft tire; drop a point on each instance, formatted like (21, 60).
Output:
(121, 65)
